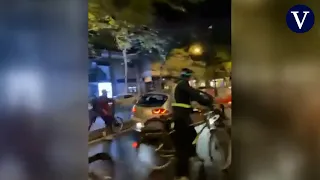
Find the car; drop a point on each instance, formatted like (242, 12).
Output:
(126, 99)
(223, 97)
(150, 105)
(155, 104)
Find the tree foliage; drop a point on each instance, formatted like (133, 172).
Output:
(150, 41)
(178, 59)
(219, 64)
(137, 12)
(122, 19)
(205, 69)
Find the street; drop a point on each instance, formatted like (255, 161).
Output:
(128, 164)
(123, 112)
(137, 167)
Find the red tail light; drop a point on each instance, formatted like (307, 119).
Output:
(159, 111)
(134, 144)
(134, 109)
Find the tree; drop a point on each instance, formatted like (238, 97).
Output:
(137, 12)
(178, 59)
(218, 63)
(151, 42)
(127, 36)
(122, 19)
(120, 31)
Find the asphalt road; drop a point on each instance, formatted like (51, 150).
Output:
(137, 167)
(123, 112)
(129, 165)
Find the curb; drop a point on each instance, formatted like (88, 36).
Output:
(101, 134)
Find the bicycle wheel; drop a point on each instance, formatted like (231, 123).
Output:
(148, 154)
(117, 124)
(101, 166)
(220, 148)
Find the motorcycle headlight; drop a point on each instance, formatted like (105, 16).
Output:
(139, 126)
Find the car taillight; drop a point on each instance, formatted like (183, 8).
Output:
(159, 111)
(134, 144)
(134, 109)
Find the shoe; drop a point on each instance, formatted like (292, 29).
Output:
(181, 178)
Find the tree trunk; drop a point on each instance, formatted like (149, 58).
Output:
(125, 61)
(138, 80)
(160, 76)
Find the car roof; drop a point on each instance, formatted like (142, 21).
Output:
(157, 92)
(124, 94)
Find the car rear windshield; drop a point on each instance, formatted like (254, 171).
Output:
(152, 100)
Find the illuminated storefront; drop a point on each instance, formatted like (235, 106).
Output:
(99, 79)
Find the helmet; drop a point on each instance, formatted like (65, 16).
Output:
(186, 72)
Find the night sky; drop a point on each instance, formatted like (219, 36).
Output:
(188, 27)
(196, 20)
(207, 10)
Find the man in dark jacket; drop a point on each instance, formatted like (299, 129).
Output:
(185, 134)
(104, 107)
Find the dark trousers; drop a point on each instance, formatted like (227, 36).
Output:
(183, 138)
(108, 119)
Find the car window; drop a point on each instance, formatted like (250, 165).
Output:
(127, 96)
(119, 97)
(152, 100)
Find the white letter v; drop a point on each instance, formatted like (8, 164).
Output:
(295, 14)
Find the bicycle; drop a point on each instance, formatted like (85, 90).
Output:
(105, 157)
(108, 161)
(158, 132)
(117, 124)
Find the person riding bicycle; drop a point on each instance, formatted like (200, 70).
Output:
(184, 133)
(104, 107)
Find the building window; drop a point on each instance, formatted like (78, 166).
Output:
(132, 89)
(98, 73)
(219, 83)
(105, 86)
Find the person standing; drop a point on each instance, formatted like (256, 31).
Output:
(184, 133)
(103, 107)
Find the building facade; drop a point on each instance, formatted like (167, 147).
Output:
(107, 72)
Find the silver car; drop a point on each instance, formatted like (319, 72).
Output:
(155, 104)
(151, 105)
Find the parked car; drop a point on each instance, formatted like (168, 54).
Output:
(154, 104)
(126, 99)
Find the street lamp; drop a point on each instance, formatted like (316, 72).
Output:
(196, 49)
